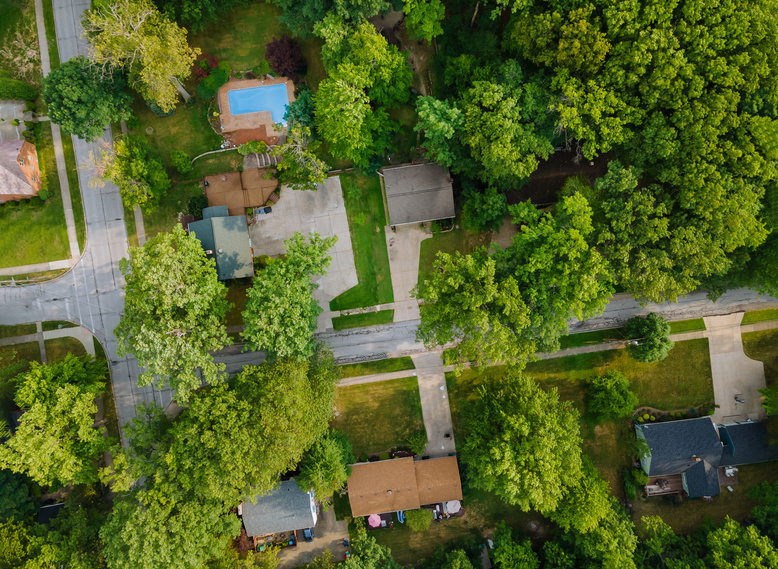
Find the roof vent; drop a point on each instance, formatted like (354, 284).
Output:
(388, 491)
(696, 458)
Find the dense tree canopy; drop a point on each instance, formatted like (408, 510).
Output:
(174, 309)
(137, 170)
(300, 167)
(56, 442)
(423, 18)
(326, 467)
(301, 16)
(83, 100)
(609, 396)
(152, 50)
(521, 443)
(197, 14)
(281, 312)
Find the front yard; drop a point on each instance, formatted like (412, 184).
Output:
(377, 417)
(763, 346)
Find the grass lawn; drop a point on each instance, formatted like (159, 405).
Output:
(11, 330)
(366, 220)
(693, 325)
(57, 324)
(236, 296)
(763, 346)
(377, 417)
(377, 366)
(458, 239)
(228, 161)
(365, 319)
(586, 338)
(406, 140)
(58, 348)
(51, 32)
(75, 190)
(692, 513)
(36, 234)
(28, 352)
(162, 219)
(764, 315)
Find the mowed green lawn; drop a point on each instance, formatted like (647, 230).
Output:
(763, 346)
(364, 319)
(58, 348)
(36, 233)
(458, 239)
(377, 366)
(379, 416)
(763, 315)
(366, 220)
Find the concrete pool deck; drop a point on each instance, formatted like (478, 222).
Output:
(248, 121)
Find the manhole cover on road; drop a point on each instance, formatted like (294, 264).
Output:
(149, 130)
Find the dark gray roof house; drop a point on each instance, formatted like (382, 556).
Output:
(696, 448)
(225, 238)
(417, 193)
(285, 509)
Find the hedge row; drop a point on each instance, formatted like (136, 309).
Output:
(15, 89)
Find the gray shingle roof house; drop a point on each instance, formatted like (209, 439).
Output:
(417, 193)
(225, 238)
(696, 448)
(285, 509)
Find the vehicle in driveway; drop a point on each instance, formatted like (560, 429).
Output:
(308, 534)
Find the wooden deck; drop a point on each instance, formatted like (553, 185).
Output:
(660, 485)
(725, 480)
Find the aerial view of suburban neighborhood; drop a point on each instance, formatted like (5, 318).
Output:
(389, 284)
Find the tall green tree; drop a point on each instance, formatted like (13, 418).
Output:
(83, 100)
(137, 170)
(521, 443)
(133, 35)
(441, 122)
(585, 503)
(368, 554)
(174, 308)
(300, 167)
(608, 396)
(511, 553)
(649, 338)
(16, 503)
(301, 16)
(281, 312)
(326, 467)
(733, 546)
(766, 512)
(610, 544)
(423, 18)
(56, 442)
(197, 14)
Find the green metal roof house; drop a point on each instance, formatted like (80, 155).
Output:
(225, 238)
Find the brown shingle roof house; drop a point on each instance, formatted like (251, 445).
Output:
(402, 484)
(239, 190)
(20, 175)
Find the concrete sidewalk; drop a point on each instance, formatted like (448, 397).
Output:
(435, 406)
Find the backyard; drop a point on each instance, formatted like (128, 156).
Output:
(366, 220)
(379, 416)
(458, 239)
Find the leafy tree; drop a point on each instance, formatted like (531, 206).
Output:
(766, 512)
(650, 338)
(15, 501)
(56, 442)
(584, 503)
(153, 51)
(322, 561)
(301, 110)
(195, 15)
(556, 557)
(442, 123)
(419, 520)
(734, 547)
(181, 161)
(511, 553)
(301, 168)
(609, 396)
(285, 57)
(281, 312)
(174, 310)
(521, 443)
(326, 467)
(235, 439)
(610, 545)
(559, 275)
(423, 18)
(770, 400)
(146, 530)
(456, 559)
(209, 86)
(485, 210)
(462, 302)
(137, 171)
(368, 554)
(82, 100)
(253, 147)
(301, 16)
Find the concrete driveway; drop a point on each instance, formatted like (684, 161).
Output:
(329, 533)
(10, 110)
(322, 212)
(435, 406)
(737, 378)
(403, 246)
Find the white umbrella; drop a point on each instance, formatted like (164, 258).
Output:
(453, 506)
(374, 520)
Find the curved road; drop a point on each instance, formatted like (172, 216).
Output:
(91, 293)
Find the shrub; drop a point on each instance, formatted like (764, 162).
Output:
(435, 227)
(254, 146)
(417, 442)
(692, 411)
(44, 194)
(361, 218)
(15, 122)
(30, 106)
(645, 416)
(196, 205)
(36, 201)
(263, 68)
(653, 418)
(181, 161)
(418, 520)
(609, 396)
(285, 57)
(15, 89)
(301, 110)
(383, 456)
(208, 87)
(133, 122)
(11, 203)
(652, 335)
(640, 419)
(640, 477)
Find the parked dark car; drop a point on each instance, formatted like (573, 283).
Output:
(308, 534)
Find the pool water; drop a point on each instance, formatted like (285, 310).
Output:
(273, 98)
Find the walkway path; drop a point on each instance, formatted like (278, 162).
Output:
(56, 136)
(78, 332)
(736, 377)
(435, 406)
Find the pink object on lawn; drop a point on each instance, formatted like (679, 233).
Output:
(374, 520)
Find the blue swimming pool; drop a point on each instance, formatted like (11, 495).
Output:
(273, 98)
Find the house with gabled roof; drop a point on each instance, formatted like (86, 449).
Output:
(225, 238)
(284, 509)
(697, 456)
(20, 175)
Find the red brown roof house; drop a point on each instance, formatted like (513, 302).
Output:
(20, 175)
